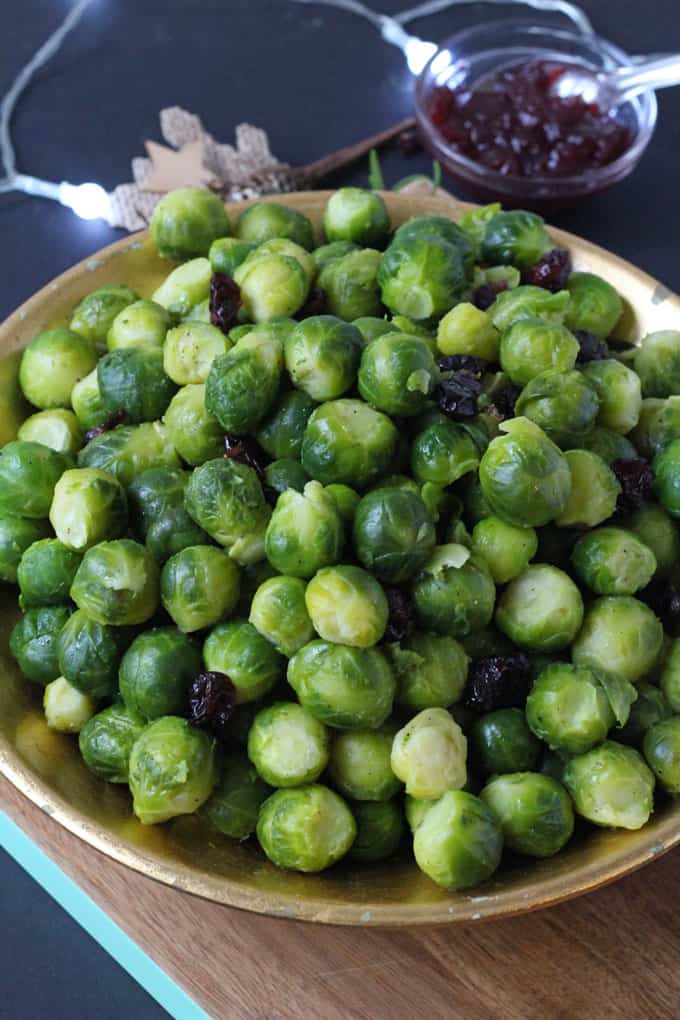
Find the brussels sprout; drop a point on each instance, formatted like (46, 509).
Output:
(172, 770)
(393, 533)
(190, 350)
(199, 587)
(525, 478)
(88, 654)
(193, 431)
(305, 532)
(429, 754)
(467, 329)
(618, 388)
(17, 534)
(348, 442)
(608, 445)
(252, 664)
(380, 828)
(33, 642)
(415, 810)
(29, 473)
(132, 379)
(360, 764)
(106, 742)
(649, 707)
(307, 828)
(347, 605)
(225, 498)
(410, 327)
(343, 687)
(88, 506)
(443, 453)
(160, 518)
(528, 302)
(501, 741)
(594, 491)
(330, 252)
(563, 404)
(533, 810)
(661, 746)
(568, 707)
(347, 501)
(284, 474)
(657, 362)
(59, 429)
(94, 316)
(506, 548)
(265, 221)
(612, 561)
(46, 573)
(454, 593)
(357, 215)
(594, 304)
(199, 313)
(657, 426)
(186, 222)
(130, 449)
(287, 745)
(611, 786)
(156, 672)
(541, 610)
(531, 347)
(508, 277)
(86, 401)
(667, 471)
(271, 286)
(621, 637)
(473, 223)
(279, 613)
(421, 277)
(459, 842)
(280, 435)
(66, 709)
(322, 356)
(515, 238)
(351, 286)
(227, 253)
(371, 327)
(243, 383)
(670, 677)
(440, 227)
(141, 324)
(185, 287)
(117, 583)
(397, 374)
(235, 803)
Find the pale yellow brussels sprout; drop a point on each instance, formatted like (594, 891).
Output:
(541, 610)
(88, 507)
(193, 431)
(52, 364)
(611, 786)
(66, 708)
(620, 393)
(186, 286)
(141, 324)
(620, 636)
(59, 429)
(271, 286)
(593, 494)
(429, 754)
(347, 606)
(287, 745)
(190, 350)
(467, 329)
(284, 246)
(279, 613)
(87, 403)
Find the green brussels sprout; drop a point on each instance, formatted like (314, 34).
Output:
(193, 431)
(620, 636)
(443, 453)
(347, 501)
(661, 746)
(506, 548)
(415, 810)
(649, 707)
(541, 610)
(156, 672)
(281, 434)
(243, 383)
(190, 350)
(29, 473)
(454, 593)
(380, 829)
(132, 379)
(612, 561)
(429, 754)
(279, 613)
(563, 404)
(393, 533)
(17, 534)
(305, 532)
(45, 573)
(531, 347)
(371, 327)
(346, 688)
(657, 362)
(265, 221)
(88, 506)
(284, 474)
(322, 356)
(473, 223)
(287, 745)
(185, 287)
(458, 843)
(89, 652)
(594, 304)
(86, 401)
(421, 277)
(58, 429)
(160, 518)
(199, 587)
(117, 583)
(397, 374)
(611, 786)
(348, 442)
(141, 324)
(347, 605)
(350, 284)
(501, 741)
(173, 770)
(594, 492)
(225, 498)
(524, 477)
(608, 445)
(467, 329)
(249, 660)
(568, 707)
(330, 252)
(94, 316)
(227, 253)
(440, 227)
(431, 671)
(657, 426)
(233, 806)
(533, 810)
(670, 677)
(359, 764)
(106, 742)
(356, 215)
(515, 238)
(66, 708)
(618, 388)
(528, 302)
(667, 473)
(127, 451)
(307, 828)
(33, 642)
(271, 285)
(186, 222)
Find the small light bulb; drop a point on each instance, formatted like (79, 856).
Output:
(417, 53)
(89, 201)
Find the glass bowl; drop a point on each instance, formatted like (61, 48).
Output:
(474, 53)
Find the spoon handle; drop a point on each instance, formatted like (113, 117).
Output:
(652, 74)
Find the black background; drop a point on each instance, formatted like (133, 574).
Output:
(315, 79)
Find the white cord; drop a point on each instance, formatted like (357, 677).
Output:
(569, 10)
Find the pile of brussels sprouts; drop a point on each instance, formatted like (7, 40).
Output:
(327, 542)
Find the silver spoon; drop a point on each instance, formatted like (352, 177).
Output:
(611, 88)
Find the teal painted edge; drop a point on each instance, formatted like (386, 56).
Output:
(97, 923)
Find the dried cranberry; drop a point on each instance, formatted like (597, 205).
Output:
(498, 681)
(590, 347)
(401, 614)
(457, 394)
(551, 271)
(504, 401)
(409, 142)
(456, 362)
(314, 305)
(225, 301)
(485, 295)
(636, 479)
(112, 422)
(247, 451)
(212, 700)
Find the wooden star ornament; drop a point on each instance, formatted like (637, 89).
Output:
(178, 168)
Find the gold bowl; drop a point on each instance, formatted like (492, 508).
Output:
(46, 767)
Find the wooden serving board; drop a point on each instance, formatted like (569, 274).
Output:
(612, 953)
